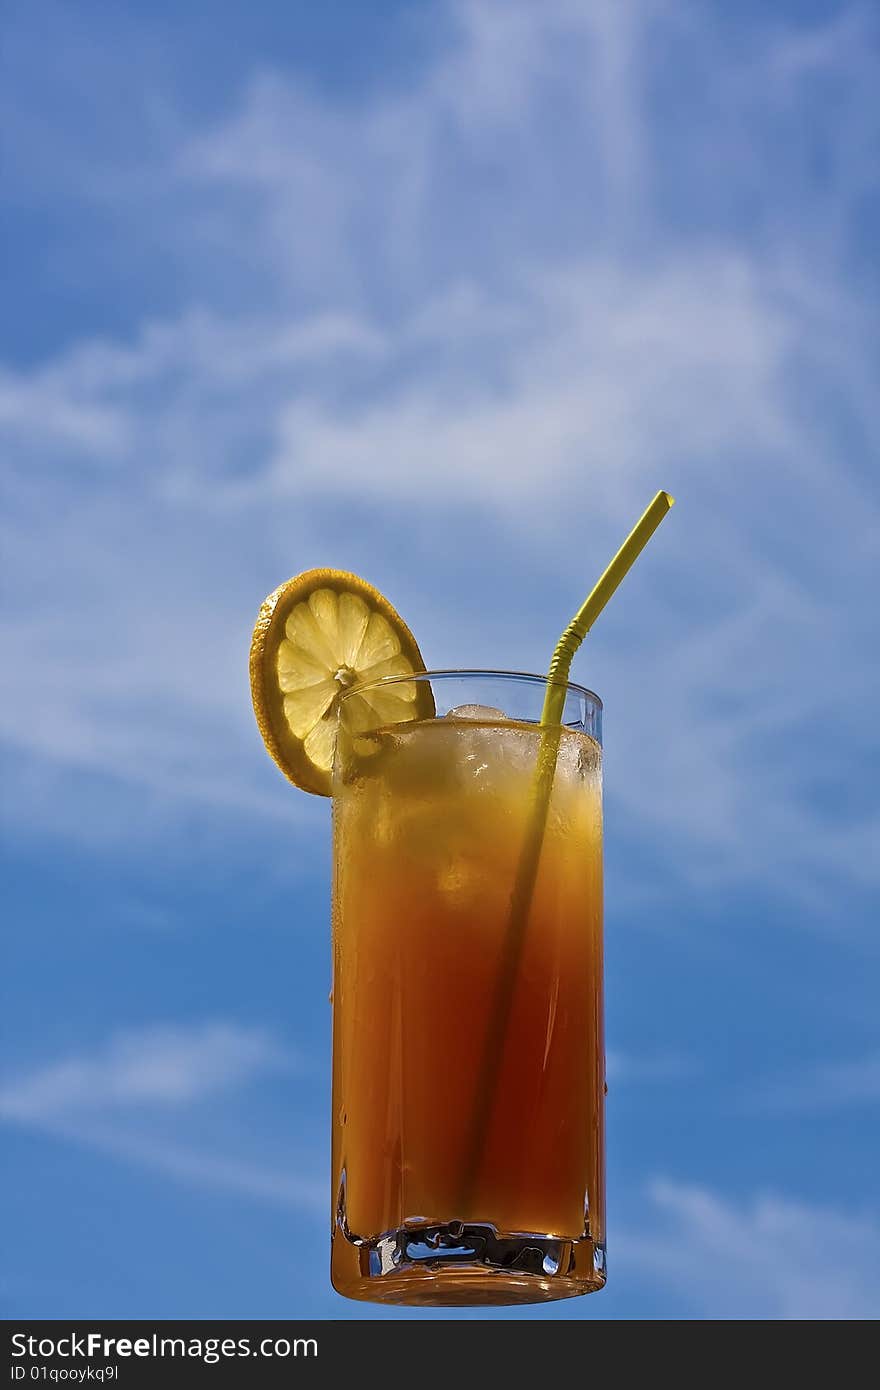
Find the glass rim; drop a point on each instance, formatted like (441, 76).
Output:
(477, 672)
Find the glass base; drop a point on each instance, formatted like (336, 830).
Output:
(454, 1265)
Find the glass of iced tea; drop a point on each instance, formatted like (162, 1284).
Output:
(468, 1052)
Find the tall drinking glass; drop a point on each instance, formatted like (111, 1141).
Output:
(468, 1057)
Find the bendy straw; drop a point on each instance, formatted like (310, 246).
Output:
(542, 787)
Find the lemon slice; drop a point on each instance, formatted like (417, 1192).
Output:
(316, 636)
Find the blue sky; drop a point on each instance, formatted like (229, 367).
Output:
(440, 293)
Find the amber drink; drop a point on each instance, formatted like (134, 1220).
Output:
(468, 1145)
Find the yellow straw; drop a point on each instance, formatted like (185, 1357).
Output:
(527, 868)
(574, 634)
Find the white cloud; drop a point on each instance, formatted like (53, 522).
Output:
(625, 1068)
(486, 324)
(203, 1168)
(30, 407)
(827, 1086)
(760, 1258)
(163, 1065)
(115, 1101)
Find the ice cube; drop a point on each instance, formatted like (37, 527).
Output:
(487, 713)
(459, 882)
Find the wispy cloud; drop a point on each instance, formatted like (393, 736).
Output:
(827, 1086)
(632, 1069)
(163, 1065)
(762, 1257)
(113, 1100)
(202, 1168)
(486, 321)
